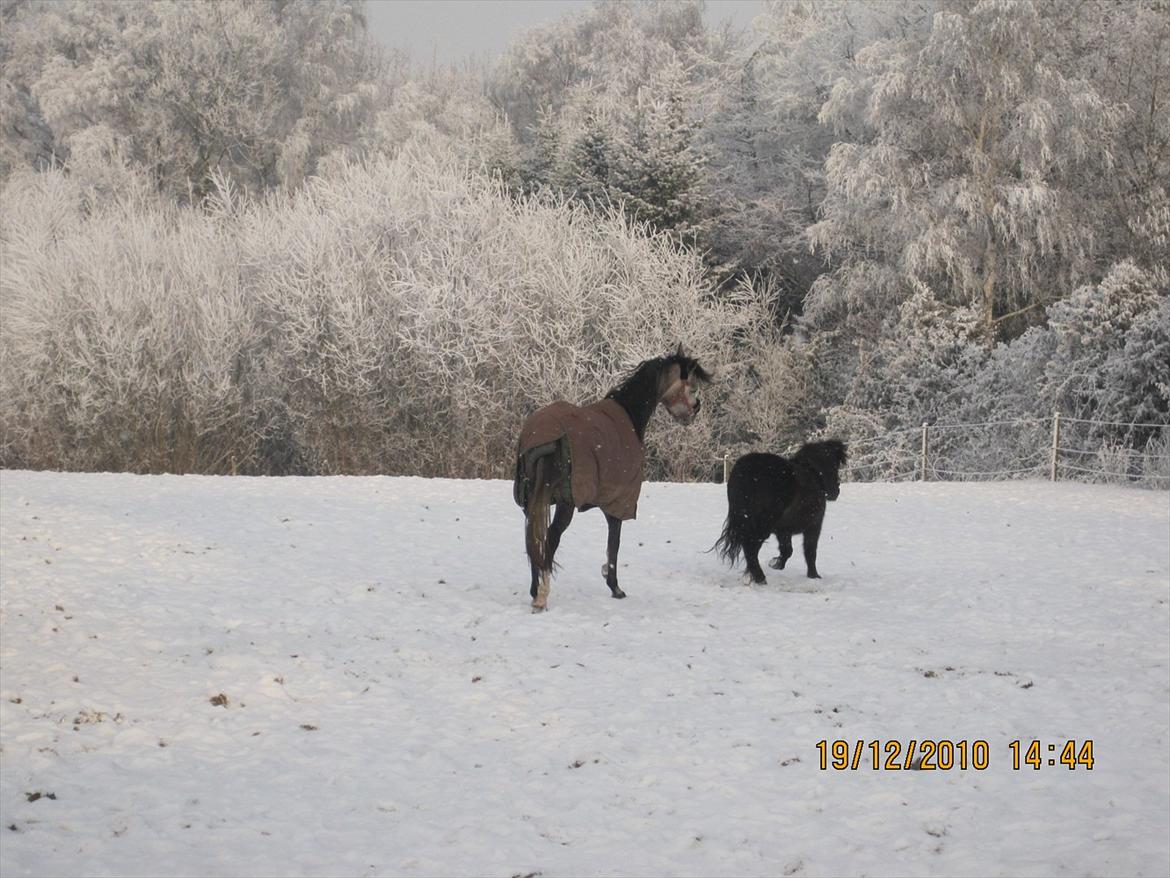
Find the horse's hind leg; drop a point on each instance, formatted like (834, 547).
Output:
(561, 520)
(751, 554)
(611, 554)
(780, 560)
(535, 580)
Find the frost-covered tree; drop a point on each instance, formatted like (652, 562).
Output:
(924, 359)
(29, 142)
(970, 147)
(766, 143)
(661, 175)
(1124, 49)
(583, 150)
(613, 44)
(608, 103)
(259, 91)
(640, 153)
(443, 110)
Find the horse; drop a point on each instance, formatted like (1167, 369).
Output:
(767, 494)
(581, 457)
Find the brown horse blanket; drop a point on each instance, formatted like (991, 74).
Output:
(606, 467)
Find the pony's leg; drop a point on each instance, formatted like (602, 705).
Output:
(780, 560)
(609, 571)
(811, 535)
(751, 554)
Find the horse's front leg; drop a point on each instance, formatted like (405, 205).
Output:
(780, 560)
(811, 536)
(609, 571)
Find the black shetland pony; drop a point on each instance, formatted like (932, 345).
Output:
(579, 457)
(767, 494)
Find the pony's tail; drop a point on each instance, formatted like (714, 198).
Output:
(730, 542)
(536, 530)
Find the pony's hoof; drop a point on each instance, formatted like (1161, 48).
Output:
(776, 563)
(536, 609)
(618, 593)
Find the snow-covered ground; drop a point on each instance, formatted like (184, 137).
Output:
(391, 707)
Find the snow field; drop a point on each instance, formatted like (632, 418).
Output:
(392, 708)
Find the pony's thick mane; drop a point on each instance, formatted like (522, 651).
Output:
(825, 457)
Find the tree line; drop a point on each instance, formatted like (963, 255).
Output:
(242, 237)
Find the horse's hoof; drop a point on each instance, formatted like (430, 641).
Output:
(618, 593)
(540, 609)
(814, 575)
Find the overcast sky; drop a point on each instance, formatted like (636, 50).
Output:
(450, 30)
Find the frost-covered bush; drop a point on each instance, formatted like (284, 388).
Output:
(915, 373)
(124, 332)
(1102, 361)
(397, 317)
(1112, 349)
(1155, 464)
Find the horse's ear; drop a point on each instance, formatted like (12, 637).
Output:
(679, 352)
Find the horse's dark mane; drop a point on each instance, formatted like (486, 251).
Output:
(637, 391)
(825, 457)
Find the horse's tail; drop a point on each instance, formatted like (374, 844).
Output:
(536, 514)
(730, 542)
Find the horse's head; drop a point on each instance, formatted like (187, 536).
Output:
(825, 459)
(678, 384)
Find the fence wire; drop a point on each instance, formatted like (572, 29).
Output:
(1082, 449)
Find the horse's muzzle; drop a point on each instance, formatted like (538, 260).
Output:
(682, 413)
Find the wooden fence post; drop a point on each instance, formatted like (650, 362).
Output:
(925, 446)
(1055, 442)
